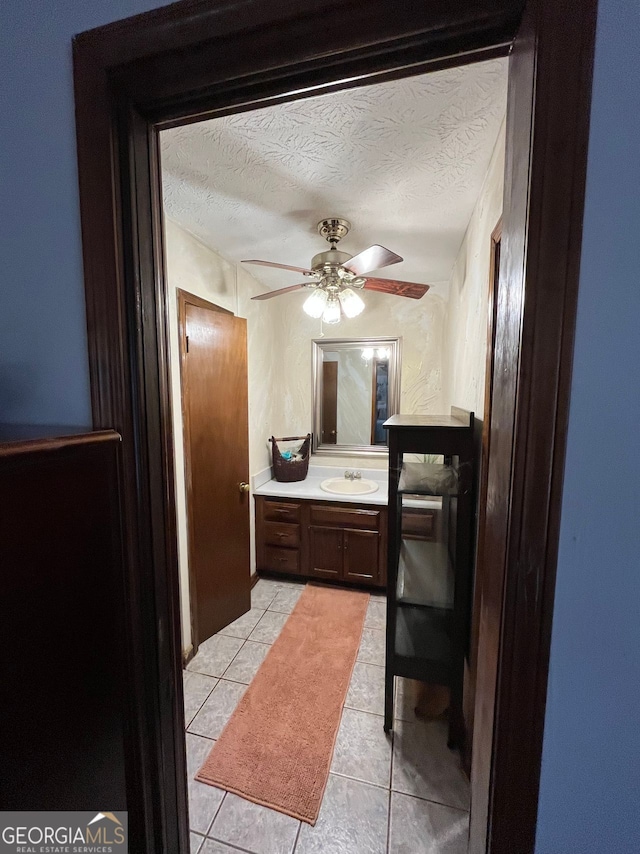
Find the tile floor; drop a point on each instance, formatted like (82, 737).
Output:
(398, 794)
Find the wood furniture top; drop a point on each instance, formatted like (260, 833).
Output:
(457, 418)
(18, 439)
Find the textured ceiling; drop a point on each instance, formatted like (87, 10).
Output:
(404, 161)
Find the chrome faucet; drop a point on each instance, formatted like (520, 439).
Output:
(353, 475)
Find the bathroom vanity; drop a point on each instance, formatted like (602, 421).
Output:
(320, 539)
(302, 533)
(332, 526)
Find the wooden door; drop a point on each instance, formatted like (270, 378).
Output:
(325, 552)
(329, 403)
(361, 550)
(215, 408)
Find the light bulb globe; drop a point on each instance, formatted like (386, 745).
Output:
(352, 304)
(332, 311)
(315, 304)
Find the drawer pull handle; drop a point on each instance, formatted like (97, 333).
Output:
(282, 559)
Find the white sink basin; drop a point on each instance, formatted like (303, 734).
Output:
(343, 486)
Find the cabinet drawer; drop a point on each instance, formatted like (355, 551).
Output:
(282, 534)
(418, 524)
(281, 560)
(343, 517)
(278, 511)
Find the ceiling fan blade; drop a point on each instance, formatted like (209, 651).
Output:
(372, 258)
(281, 266)
(399, 289)
(280, 291)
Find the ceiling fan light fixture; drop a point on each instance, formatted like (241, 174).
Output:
(336, 273)
(315, 304)
(352, 304)
(332, 310)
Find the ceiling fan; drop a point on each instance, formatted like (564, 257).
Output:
(334, 274)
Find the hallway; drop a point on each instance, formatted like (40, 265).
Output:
(403, 794)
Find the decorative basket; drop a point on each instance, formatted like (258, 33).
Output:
(289, 471)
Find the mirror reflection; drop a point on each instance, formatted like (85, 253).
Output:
(356, 385)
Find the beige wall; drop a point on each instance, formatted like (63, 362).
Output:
(194, 268)
(465, 333)
(418, 323)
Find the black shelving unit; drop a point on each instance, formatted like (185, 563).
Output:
(429, 578)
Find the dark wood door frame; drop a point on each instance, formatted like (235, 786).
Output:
(199, 59)
(483, 485)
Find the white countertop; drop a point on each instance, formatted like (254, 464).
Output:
(310, 488)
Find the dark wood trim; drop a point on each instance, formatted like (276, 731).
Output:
(195, 59)
(547, 134)
(482, 451)
(183, 299)
(58, 443)
(152, 538)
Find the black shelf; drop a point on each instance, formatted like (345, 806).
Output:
(425, 575)
(434, 479)
(429, 570)
(423, 639)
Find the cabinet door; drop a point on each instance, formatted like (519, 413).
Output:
(361, 556)
(325, 552)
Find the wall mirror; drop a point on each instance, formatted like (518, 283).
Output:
(356, 387)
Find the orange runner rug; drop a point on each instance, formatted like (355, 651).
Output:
(277, 747)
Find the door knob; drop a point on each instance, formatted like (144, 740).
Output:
(243, 487)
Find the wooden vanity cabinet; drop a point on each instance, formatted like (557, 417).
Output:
(326, 552)
(340, 542)
(361, 549)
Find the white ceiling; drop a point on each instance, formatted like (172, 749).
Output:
(404, 161)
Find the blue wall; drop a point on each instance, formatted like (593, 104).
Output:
(43, 358)
(591, 767)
